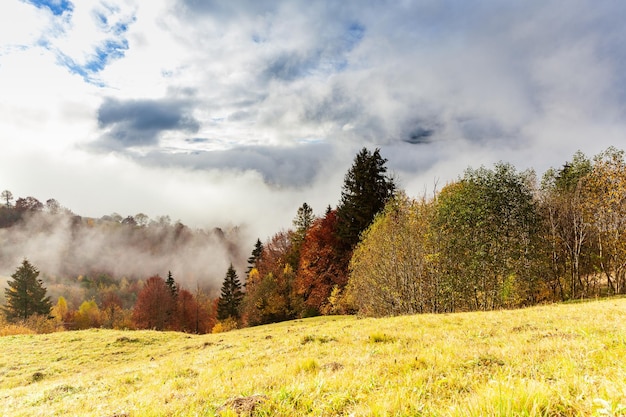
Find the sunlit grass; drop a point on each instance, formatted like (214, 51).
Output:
(558, 360)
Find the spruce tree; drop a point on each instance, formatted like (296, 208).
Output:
(304, 219)
(366, 190)
(26, 294)
(231, 296)
(256, 254)
(171, 284)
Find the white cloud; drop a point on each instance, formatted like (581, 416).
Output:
(269, 101)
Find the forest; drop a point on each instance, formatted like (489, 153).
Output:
(495, 238)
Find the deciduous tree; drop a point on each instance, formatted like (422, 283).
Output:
(391, 269)
(7, 197)
(321, 265)
(154, 306)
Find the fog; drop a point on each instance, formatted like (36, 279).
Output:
(65, 246)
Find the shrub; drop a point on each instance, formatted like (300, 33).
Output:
(225, 325)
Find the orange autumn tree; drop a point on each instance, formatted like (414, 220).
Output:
(321, 267)
(155, 305)
(192, 317)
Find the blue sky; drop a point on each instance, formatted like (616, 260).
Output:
(236, 113)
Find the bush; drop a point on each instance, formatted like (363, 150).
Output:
(225, 325)
(35, 324)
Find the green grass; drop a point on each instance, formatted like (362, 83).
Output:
(559, 360)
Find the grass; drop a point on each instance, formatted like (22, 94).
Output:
(558, 360)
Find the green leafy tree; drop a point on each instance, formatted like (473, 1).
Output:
(391, 269)
(567, 233)
(487, 225)
(231, 296)
(26, 294)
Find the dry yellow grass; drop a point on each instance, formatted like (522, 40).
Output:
(559, 360)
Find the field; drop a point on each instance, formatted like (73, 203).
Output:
(557, 360)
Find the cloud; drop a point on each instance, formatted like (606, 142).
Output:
(140, 122)
(295, 166)
(64, 246)
(257, 105)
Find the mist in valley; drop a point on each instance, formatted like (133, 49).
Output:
(68, 249)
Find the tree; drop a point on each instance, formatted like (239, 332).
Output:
(7, 196)
(171, 284)
(88, 315)
(154, 306)
(320, 267)
(53, 206)
(28, 204)
(141, 219)
(26, 294)
(366, 190)
(487, 225)
(567, 231)
(113, 315)
(254, 257)
(59, 311)
(231, 296)
(391, 270)
(302, 222)
(191, 316)
(270, 291)
(605, 210)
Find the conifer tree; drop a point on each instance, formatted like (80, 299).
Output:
(366, 190)
(171, 284)
(254, 257)
(231, 296)
(303, 220)
(26, 294)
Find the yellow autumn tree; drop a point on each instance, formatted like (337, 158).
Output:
(390, 271)
(605, 211)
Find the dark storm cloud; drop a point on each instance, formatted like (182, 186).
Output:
(140, 122)
(293, 166)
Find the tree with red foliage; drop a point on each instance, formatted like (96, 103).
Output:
(320, 266)
(192, 317)
(154, 306)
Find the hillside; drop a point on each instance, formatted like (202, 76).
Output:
(549, 360)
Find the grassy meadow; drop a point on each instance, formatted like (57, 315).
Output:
(557, 360)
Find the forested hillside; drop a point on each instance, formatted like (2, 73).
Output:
(495, 238)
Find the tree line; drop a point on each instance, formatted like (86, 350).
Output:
(494, 238)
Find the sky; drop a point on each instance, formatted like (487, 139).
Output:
(234, 113)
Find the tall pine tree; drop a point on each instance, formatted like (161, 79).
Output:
(26, 294)
(231, 296)
(254, 257)
(366, 190)
(171, 284)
